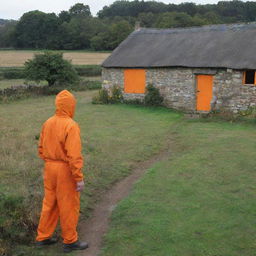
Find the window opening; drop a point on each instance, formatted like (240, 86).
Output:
(249, 77)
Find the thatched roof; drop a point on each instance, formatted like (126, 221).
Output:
(216, 46)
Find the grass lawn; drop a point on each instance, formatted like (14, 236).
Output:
(115, 138)
(199, 202)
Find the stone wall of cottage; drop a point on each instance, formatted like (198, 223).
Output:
(178, 87)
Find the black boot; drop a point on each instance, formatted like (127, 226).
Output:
(46, 242)
(75, 246)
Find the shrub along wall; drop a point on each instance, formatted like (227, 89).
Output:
(18, 72)
(88, 70)
(25, 91)
(12, 73)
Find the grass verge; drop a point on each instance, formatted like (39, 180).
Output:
(115, 138)
(199, 202)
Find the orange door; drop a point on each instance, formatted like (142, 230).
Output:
(134, 80)
(204, 92)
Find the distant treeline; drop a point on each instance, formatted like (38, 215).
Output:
(78, 29)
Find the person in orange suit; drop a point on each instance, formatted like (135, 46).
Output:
(60, 148)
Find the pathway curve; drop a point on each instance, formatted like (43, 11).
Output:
(93, 229)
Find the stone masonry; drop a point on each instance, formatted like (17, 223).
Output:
(178, 87)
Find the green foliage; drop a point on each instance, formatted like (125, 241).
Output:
(116, 95)
(100, 41)
(7, 31)
(134, 101)
(250, 112)
(80, 9)
(102, 97)
(153, 97)
(18, 72)
(105, 97)
(77, 29)
(26, 91)
(77, 33)
(37, 30)
(181, 19)
(14, 223)
(88, 70)
(117, 33)
(12, 73)
(111, 38)
(86, 85)
(50, 67)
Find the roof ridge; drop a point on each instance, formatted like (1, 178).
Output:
(214, 27)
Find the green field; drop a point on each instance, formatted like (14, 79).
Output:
(200, 201)
(114, 141)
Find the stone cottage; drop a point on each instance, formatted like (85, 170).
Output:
(196, 69)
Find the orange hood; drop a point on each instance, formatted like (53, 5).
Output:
(65, 103)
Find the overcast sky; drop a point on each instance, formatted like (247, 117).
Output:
(13, 9)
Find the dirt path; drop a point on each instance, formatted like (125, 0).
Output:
(94, 228)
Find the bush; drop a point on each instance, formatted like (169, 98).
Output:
(134, 102)
(102, 97)
(51, 67)
(153, 97)
(250, 112)
(116, 95)
(89, 70)
(87, 85)
(25, 91)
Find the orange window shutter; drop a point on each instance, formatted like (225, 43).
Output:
(254, 78)
(134, 80)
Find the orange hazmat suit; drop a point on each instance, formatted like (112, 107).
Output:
(60, 148)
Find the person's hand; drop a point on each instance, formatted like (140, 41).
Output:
(80, 185)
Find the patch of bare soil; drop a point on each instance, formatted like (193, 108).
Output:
(93, 229)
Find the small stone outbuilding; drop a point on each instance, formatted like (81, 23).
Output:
(196, 69)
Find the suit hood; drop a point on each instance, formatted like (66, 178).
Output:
(65, 103)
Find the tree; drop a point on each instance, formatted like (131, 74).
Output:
(7, 32)
(117, 33)
(147, 19)
(64, 16)
(50, 67)
(79, 31)
(37, 30)
(80, 9)
(177, 19)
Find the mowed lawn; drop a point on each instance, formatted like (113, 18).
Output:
(199, 202)
(115, 138)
